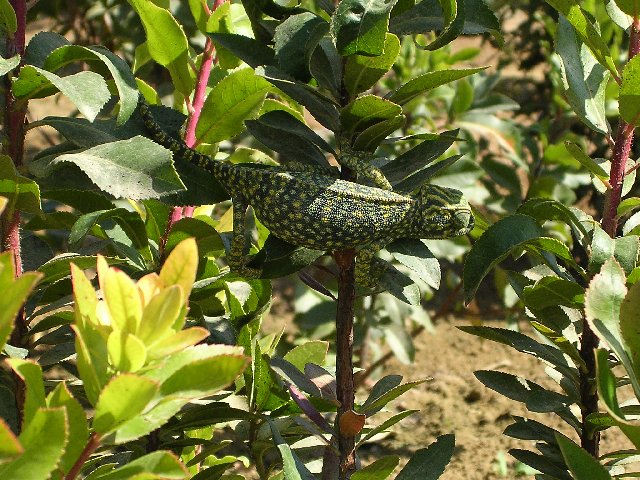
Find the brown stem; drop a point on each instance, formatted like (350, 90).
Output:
(91, 446)
(14, 122)
(588, 393)
(345, 390)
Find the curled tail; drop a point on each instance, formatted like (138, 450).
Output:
(179, 149)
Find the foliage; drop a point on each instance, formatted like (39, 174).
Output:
(145, 358)
(578, 291)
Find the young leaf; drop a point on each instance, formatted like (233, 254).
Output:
(10, 447)
(31, 374)
(581, 464)
(429, 463)
(180, 266)
(77, 424)
(43, 440)
(359, 27)
(124, 397)
(123, 300)
(127, 353)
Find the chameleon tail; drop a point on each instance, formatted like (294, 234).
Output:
(179, 149)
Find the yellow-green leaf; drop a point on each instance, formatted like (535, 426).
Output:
(181, 266)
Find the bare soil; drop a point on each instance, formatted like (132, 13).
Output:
(455, 401)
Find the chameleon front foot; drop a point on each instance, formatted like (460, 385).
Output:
(369, 270)
(359, 163)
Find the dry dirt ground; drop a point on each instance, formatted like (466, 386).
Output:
(455, 401)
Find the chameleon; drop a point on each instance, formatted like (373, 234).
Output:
(311, 207)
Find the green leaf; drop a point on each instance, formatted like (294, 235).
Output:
(249, 50)
(586, 161)
(293, 467)
(362, 72)
(8, 64)
(76, 422)
(429, 463)
(323, 109)
(136, 168)
(550, 291)
(381, 469)
(624, 249)
(8, 19)
(428, 81)
(31, 374)
(87, 90)
(155, 465)
(60, 266)
(627, 205)
(326, 66)
(366, 111)
(629, 332)
(236, 98)
(581, 464)
(603, 300)
(386, 424)
(494, 245)
(204, 377)
(629, 99)
(586, 31)
(630, 7)
(119, 69)
(620, 18)
(414, 254)
(285, 134)
(360, 26)
(123, 398)
(371, 137)
(21, 193)
(584, 79)
(294, 42)
(166, 42)
(375, 404)
(43, 440)
(314, 351)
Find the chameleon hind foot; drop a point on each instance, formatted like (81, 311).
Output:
(359, 162)
(369, 269)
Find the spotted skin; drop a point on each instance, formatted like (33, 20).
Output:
(315, 209)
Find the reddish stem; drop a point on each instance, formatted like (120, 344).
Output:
(200, 93)
(91, 446)
(622, 148)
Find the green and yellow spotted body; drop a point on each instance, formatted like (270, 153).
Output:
(315, 209)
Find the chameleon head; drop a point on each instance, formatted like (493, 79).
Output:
(443, 213)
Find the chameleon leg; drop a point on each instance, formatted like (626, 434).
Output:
(369, 268)
(237, 256)
(359, 163)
